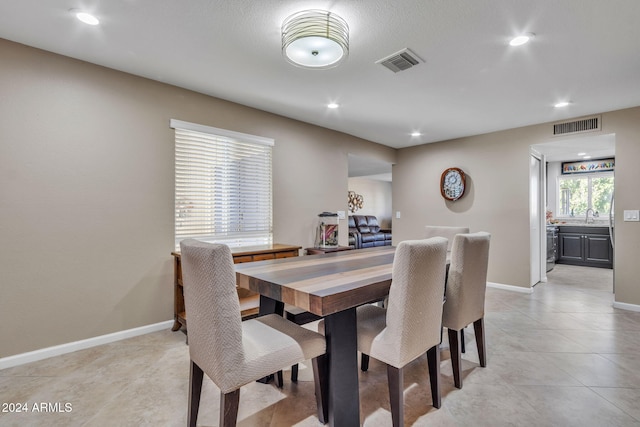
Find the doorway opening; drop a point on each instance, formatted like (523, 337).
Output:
(370, 182)
(572, 199)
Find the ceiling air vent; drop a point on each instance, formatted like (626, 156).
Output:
(400, 61)
(587, 124)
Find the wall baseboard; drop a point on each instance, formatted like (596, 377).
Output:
(625, 306)
(45, 353)
(510, 288)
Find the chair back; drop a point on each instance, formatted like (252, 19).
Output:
(415, 301)
(467, 281)
(445, 231)
(211, 301)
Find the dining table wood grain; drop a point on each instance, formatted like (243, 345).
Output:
(323, 284)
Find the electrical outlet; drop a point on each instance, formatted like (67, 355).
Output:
(632, 215)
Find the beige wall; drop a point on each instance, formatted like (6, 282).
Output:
(626, 125)
(377, 198)
(496, 198)
(497, 168)
(86, 192)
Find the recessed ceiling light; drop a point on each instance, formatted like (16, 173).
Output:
(581, 154)
(85, 17)
(521, 39)
(562, 104)
(333, 105)
(416, 134)
(586, 157)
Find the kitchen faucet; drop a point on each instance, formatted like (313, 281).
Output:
(586, 220)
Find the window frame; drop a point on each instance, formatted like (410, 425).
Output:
(589, 177)
(211, 169)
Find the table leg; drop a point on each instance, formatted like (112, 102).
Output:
(269, 306)
(342, 357)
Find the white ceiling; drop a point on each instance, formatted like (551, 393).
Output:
(360, 166)
(594, 146)
(472, 82)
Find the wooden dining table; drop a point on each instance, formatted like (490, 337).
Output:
(331, 286)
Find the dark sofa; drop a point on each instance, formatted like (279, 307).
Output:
(365, 232)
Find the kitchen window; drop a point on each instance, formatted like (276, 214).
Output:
(578, 193)
(223, 186)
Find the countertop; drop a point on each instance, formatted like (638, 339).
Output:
(582, 224)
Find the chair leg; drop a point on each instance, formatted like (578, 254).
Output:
(294, 373)
(321, 380)
(229, 403)
(456, 357)
(279, 380)
(195, 389)
(396, 394)
(433, 360)
(462, 349)
(364, 362)
(478, 327)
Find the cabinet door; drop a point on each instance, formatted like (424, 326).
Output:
(570, 247)
(597, 249)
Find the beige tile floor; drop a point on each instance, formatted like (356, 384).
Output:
(561, 356)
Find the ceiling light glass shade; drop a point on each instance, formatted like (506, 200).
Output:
(315, 39)
(85, 17)
(523, 39)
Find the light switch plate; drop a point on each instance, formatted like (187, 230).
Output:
(341, 215)
(398, 214)
(632, 215)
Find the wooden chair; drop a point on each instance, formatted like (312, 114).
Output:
(412, 323)
(466, 287)
(232, 352)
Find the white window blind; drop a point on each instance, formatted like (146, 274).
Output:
(223, 186)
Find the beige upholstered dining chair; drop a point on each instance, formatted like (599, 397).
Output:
(465, 294)
(448, 232)
(231, 352)
(412, 323)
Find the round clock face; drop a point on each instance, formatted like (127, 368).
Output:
(452, 183)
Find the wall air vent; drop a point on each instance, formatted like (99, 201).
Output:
(400, 61)
(587, 124)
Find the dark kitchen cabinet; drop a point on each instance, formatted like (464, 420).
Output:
(587, 246)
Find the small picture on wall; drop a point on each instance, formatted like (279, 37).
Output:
(586, 166)
(356, 201)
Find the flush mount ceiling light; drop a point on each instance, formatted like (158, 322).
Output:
(522, 39)
(333, 105)
(315, 39)
(85, 17)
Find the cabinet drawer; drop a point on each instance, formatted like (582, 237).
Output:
(262, 257)
(287, 254)
(242, 258)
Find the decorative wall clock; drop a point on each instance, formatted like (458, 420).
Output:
(452, 184)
